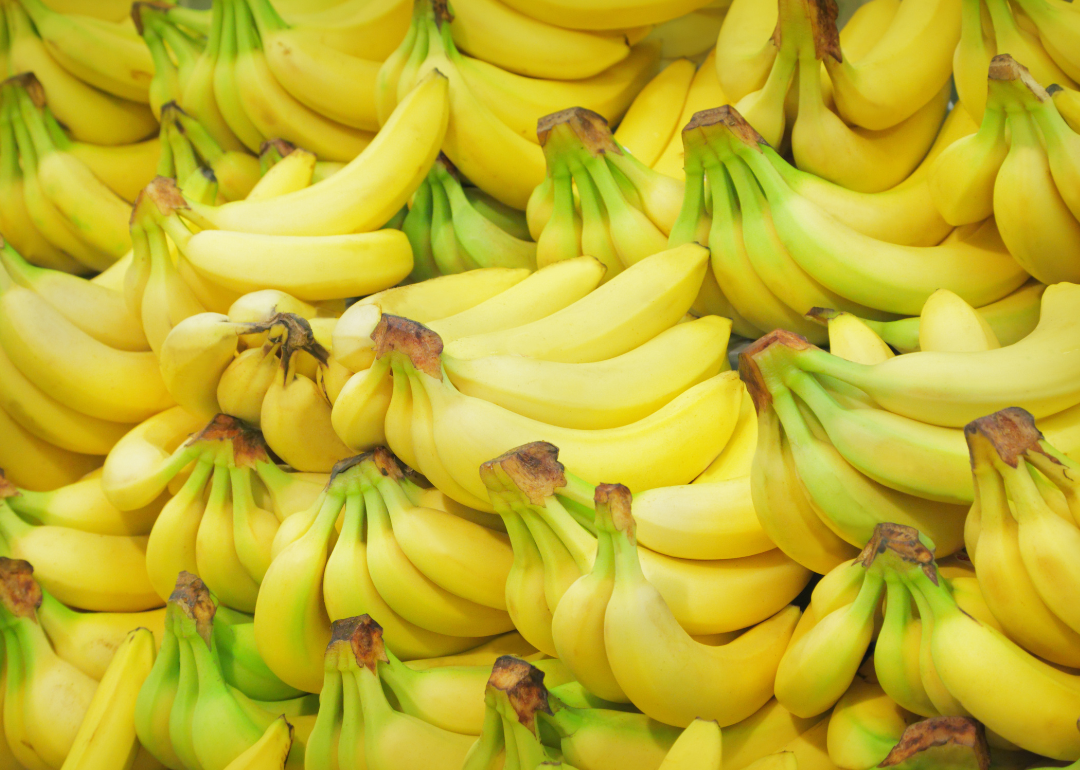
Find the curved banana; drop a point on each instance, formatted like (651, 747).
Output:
(120, 584)
(949, 325)
(865, 725)
(36, 464)
(496, 33)
(851, 338)
(651, 119)
(638, 623)
(605, 394)
(361, 196)
(897, 650)
(90, 114)
(83, 505)
(955, 387)
(745, 50)
(194, 356)
(107, 737)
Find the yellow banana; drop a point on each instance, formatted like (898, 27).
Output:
(736, 458)
(650, 121)
(106, 737)
(83, 505)
(361, 196)
(705, 92)
(950, 325)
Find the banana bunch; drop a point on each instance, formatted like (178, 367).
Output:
(869, 106)
(1021, 526)
(601, 332)
(568, 594)
(1021, 165)
(74, 221)
(491, 136)
(775, 250)
(453, 229)
(433, 577)
(95, 72)
(190, 715)
(960, 654)
(1040, 34)
(189, 151)
(597, 199)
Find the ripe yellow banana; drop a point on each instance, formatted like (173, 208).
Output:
(355, 27)
(90, 114)
(638, 623)
(700, 745)
(950, 325)
(106, 737)
(83, 505)
(36, 464)
(865, 725)
(897, 650)
(851, 338)
(364, 194)
(283, 177)
(605, 394)
(745, 50)
(705, 92)
(650, 122)
(499, 34)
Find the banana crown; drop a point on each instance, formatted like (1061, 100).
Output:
(945, 740)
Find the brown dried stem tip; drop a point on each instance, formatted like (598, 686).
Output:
(364, 638)
(750, 371)
(731, 119)
(823, 315)
(523, 685)
(422, 346)
(942, 742)
(442, 12)
(28, 82)
(533, 468)
(1011, 432)
(614, 501)
(823, 14)
(903, 542)
(192, 597)
(7, 489)
(1004, 68)
(589, 127)
(282, 147)
(19, 592)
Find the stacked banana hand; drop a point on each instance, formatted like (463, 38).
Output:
(1023, 166)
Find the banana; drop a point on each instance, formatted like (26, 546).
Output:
(949, 325)
(962, 178)
(45, 217)
(1061, 144)
(651, 119)
(851, 507)
(291, 625)
(91, 115)
(284, 177)
(215, 551)
(851, 338)
(237, 171)
(590, 737)
(516, 41)
(427, 537)
(353, 27)
(700, 745)
(46, 698)
(964, 650)
(97, 215)
(335, 84)
(783, 507)
(311, 268)
(194, 357)
(106, 55)
(743, 61)
(865, 725)
(799, 224)
(107, 737)
(604, 16)
(577, 625)
(897, 651)
(97, 310)
(273, 110)
(270, 751)
(365, 193)
(736, 459)
(477, 141)
(599, 395)
(15, 222)
(387, 732)
(638, 622)
(119, 584)
(857, 81)
(243, 385)
(672, 278)
(49, 420)
(770, 729)
(820, 665)
(145, 460)
(519, 101)
(153, 707)
(951, 402)
(83, 505)
(1025, 190)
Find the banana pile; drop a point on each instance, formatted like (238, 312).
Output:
(366, 390)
